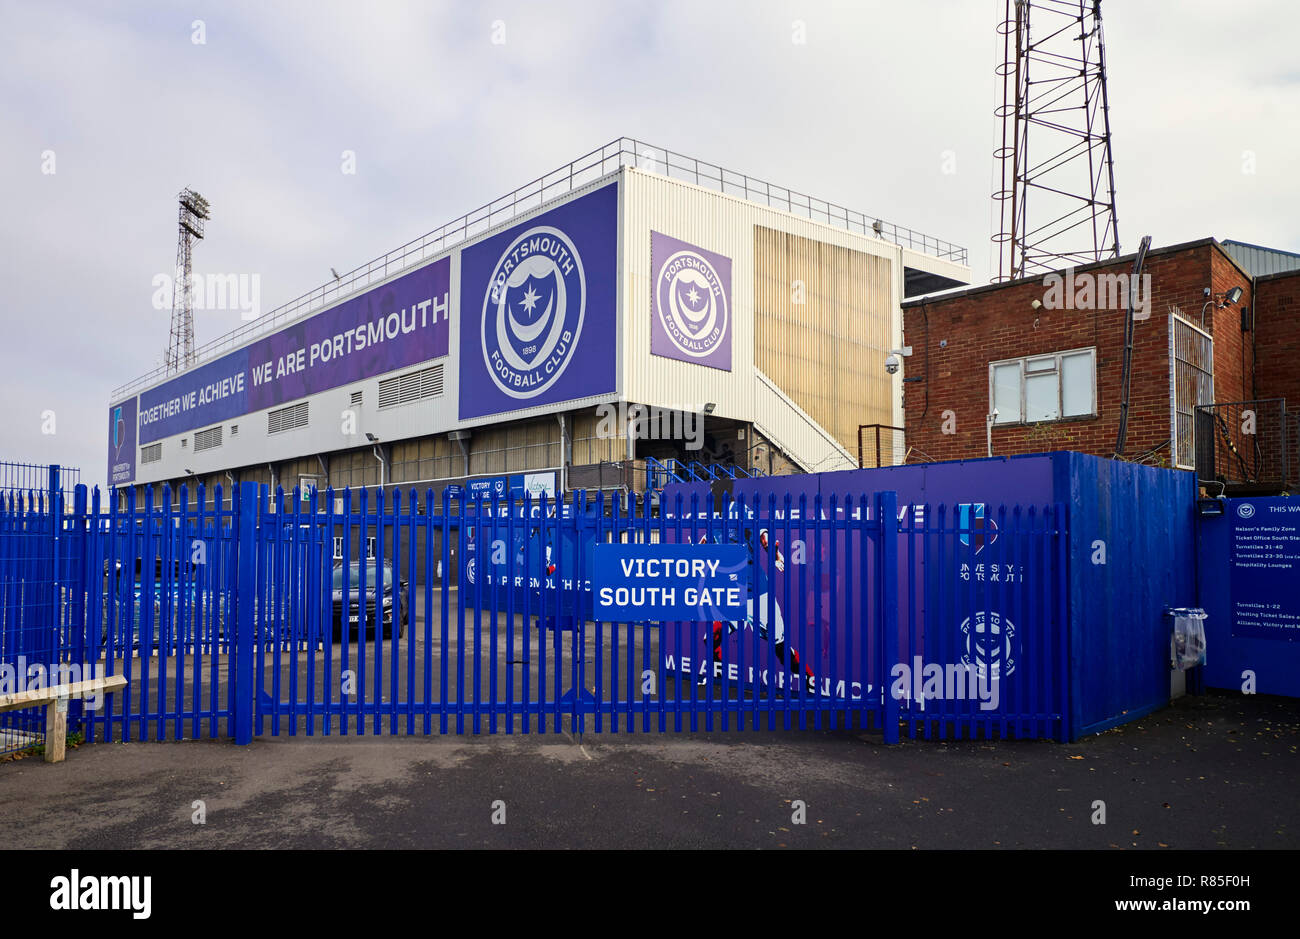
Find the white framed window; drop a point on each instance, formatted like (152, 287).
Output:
(1053, 387)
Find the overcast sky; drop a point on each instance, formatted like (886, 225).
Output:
(867, 112)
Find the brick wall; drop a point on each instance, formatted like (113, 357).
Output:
(1277, 338)
(954, 340)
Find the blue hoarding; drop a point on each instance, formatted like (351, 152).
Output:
(537, 309)
(687, 582)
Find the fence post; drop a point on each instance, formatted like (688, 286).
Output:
(79, 580)
(887, 514)
(241, 683)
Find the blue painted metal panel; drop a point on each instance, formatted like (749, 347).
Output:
(1142, 517)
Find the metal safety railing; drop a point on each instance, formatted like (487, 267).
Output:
(881, 445)
(1247, 446)
(585, 169)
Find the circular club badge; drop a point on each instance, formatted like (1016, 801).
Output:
(532, 312)
(989, 645)
(691, 302)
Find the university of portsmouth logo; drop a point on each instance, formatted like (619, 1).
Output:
(119, 432)
(692, 308)
(532, 312)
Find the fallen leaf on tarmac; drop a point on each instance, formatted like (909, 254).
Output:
(1074, 758)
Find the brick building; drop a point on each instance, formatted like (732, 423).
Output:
(1038, 364)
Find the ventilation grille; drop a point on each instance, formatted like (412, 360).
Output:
(207, 439)
(355, 400)
(287, 418)
(403, 389)
(151, 453)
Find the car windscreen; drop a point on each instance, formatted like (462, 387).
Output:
(354, 576)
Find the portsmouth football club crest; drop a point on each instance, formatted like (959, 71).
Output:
(989, 645)
(692, 303)
(533, 310)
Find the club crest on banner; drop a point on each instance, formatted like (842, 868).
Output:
(692, 303)
(533, 310)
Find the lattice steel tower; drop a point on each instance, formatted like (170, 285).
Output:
(1056, 192)
(180, 347)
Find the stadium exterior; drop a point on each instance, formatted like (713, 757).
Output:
(510, 348)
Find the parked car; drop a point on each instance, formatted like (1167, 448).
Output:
(387, 600)
(186, 596)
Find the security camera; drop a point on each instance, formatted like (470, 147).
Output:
(892, 363)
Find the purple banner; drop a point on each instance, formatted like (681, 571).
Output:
(400, 323)
(121, 442)
(690, 304)
(537, 309)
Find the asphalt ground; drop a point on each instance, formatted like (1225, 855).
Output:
(1218, 771)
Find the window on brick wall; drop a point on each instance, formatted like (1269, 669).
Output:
(1054, 387)
(1191, 358)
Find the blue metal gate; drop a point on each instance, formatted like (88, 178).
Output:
(371, 612)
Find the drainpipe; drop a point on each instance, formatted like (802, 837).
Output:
(231, 476)
(564, 453)
(460, 436)
(382, 465)
(988, 428)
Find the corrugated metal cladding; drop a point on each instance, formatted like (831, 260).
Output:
(867, 285)
(1260, 261)
(822, 329)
